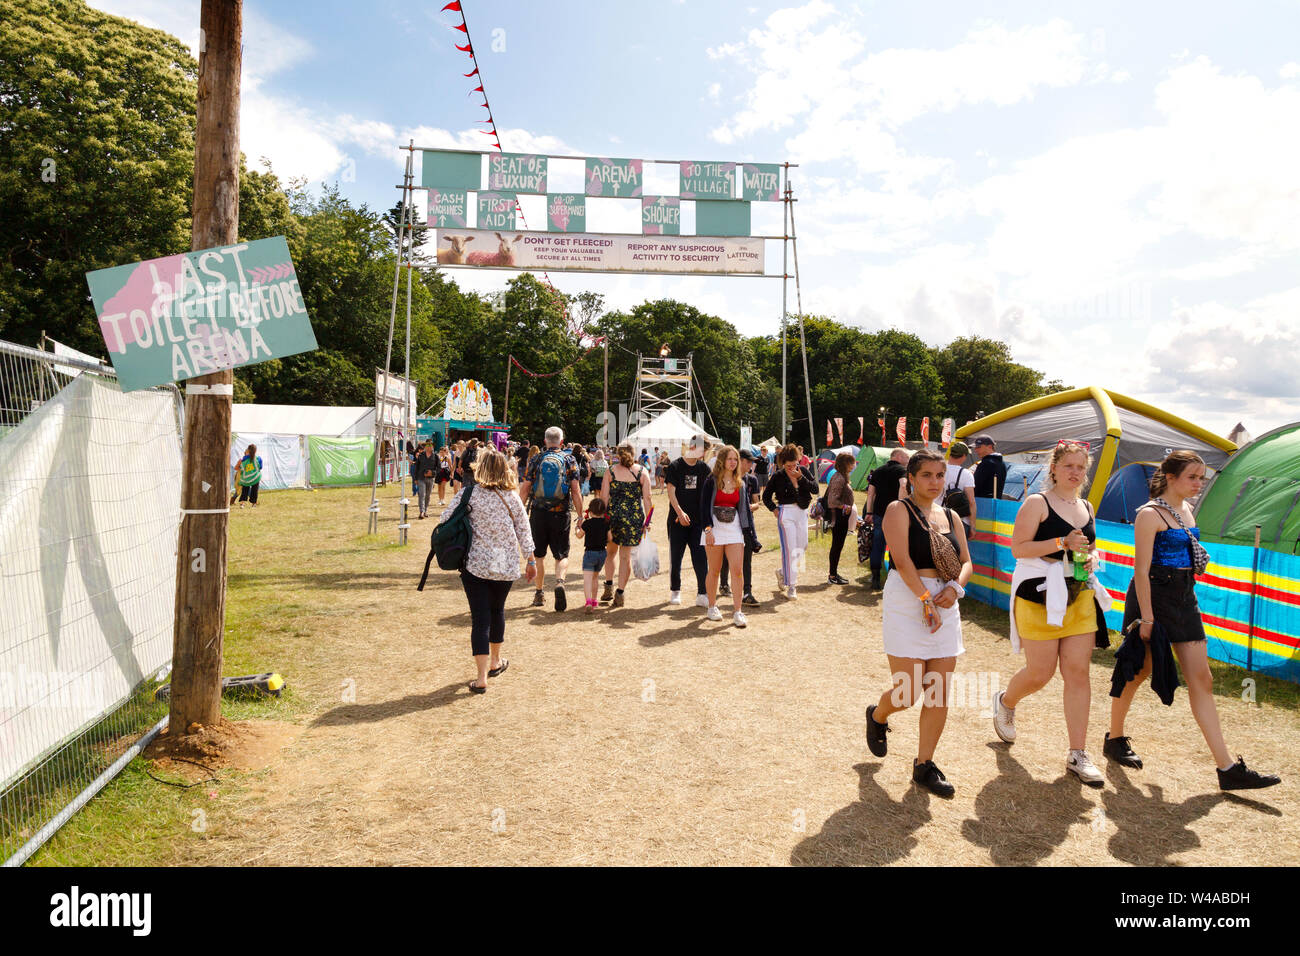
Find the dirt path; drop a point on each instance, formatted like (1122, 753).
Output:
(649, 735)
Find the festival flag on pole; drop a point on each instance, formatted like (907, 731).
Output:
(881, 423)
(839, 427)
(828, 433)
(925, 431)
(862, 429)
(902, 430)
(945, 437)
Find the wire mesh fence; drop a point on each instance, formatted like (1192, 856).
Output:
(89, 506)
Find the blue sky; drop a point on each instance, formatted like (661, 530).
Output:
(1113, 189)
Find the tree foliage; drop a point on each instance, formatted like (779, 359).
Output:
(97, 118)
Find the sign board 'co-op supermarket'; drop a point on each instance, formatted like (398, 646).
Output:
(182, 316)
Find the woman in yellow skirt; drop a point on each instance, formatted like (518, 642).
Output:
(1057, 621)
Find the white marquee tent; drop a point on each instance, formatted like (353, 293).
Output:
(280, 434)
(669, 431)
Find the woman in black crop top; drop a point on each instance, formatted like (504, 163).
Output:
(1059, 519)
(922, 625)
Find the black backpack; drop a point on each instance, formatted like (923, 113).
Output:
(955, 499)
(450, 541)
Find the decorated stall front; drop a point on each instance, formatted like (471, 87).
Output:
(467, 413)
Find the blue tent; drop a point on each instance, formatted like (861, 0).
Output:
(1023, 480)
(1127, 489)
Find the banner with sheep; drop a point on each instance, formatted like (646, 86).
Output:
(587, 252)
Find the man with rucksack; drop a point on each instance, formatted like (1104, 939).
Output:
(550, 488)
(762, 468)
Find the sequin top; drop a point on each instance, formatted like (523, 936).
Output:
(1173, 549)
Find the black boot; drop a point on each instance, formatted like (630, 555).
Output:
(932, 778)
(876, 583)
(1120, 750)
(876, 742)
(1239, 777)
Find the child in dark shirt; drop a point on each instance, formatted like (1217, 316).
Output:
(596, 534)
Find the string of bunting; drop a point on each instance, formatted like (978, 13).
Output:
(468, 48)
(596, 343)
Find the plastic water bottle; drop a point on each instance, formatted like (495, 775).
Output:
(1080, 565)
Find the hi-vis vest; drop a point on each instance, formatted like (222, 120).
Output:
(250, 472)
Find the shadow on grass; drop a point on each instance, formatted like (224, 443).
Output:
(874, 831)
(1020, 820)
(1150, 830)
(385, 709)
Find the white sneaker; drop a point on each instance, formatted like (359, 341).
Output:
(1080, 764)
(715, 614)
(791, 593)
(738, 619)
(1004, 719)
(675, 597)
(701, 600)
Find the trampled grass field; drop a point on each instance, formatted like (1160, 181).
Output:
(650, 735)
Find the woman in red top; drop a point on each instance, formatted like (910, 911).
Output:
(724, 510)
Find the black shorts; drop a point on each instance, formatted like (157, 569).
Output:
(550, 529)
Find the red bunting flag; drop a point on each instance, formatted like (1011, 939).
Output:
(902, 430)
(477, 89)
(471, 72)
(881, 423)
(454, 5)
(462, 28)
(839, 427)
(467, 48)
(828, 433)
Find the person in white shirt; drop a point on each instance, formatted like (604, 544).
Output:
(959, 486)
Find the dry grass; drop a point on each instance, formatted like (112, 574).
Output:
(651, 736)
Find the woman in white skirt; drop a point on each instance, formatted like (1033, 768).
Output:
(922, 623)
(724, 510)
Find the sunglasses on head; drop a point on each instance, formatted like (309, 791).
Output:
(1074, 441)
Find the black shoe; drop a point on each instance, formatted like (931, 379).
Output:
(725, 591)
(561, 602)
(1238, 777)
(876, 734)
(538, 599)
(836, 579)
(1120, 750)
(876, 583)
(932, 778)
(749, 600)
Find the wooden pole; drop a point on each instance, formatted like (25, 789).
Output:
(505, 415)
(605, 392)
(205, 479)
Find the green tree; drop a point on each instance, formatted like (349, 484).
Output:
(96, 159)
(980, 376)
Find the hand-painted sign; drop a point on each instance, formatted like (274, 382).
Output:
(606, 253)
(760, 182)
(707, 180)
(517, 172)
(613, 177)
(178, 317)
(448, 207)
(661, 215)
(496, 210)
(566, 212)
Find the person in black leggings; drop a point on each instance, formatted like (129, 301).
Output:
(839, 503)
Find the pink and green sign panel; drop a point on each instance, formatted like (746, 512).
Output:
(614, 177)
(447, 207)
(178, 317)
(707, 180)
(661, 216)
(566, 212)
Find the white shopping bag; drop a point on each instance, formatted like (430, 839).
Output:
(645, 559)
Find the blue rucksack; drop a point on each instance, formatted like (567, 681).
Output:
(551, 489)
